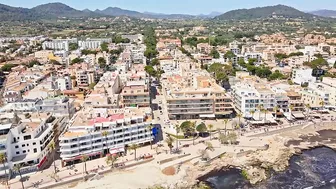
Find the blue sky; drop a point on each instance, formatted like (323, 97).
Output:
(179, 6)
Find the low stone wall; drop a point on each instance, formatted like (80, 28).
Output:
(173, 158)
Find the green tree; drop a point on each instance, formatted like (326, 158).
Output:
(102, 62)
(214, 53)
(201, 128)
(111, 159)
(251, 61)
(73, 46)
(316, 64)
(280, 56)
(32, 63)
(150, 71)
(150, 128)
(17, 168)
(229, 55)
(104, 47)
(52, 148)
(178, 129)
(105, 134)
(210, 128)
(84, 159)
(155, 62)
(92, 85)
(3, 161)
(7, 67)
(169, 140)
(76, 60)
(276, 75)
(134, 147)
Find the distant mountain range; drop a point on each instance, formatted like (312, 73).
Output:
(324, 13)
(264, 12)
(115, 11)
(59, 10)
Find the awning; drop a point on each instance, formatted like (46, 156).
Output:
(42, 161)
(208, 115)
(80, 156)
(117, 150)
(298, 115)
(257, 122)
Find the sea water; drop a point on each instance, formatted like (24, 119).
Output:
(313, 169)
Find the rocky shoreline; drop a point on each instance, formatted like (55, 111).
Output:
(256, 165)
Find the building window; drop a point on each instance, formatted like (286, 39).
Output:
(24, 151)
(16, 146)
(34, 143)
(35, 150)
(17, 153)
(27, 137)
(23, 145)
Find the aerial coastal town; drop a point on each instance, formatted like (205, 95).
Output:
(161, 106)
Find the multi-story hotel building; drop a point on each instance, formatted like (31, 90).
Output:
(249, 97)
(84, 135)
(27, 142)
(195, 97)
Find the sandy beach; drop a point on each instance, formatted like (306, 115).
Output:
(140, 177)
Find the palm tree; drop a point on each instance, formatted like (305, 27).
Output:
(308, 109)
(150, 127)
(105, 134)
(177, 129)
(84, 158)
(134, 147)
(193, 127)
(210, 127)
(111, 159)
(322, 104)
(239, 117)
(3, 161)
(52, 147)
(169, 141)
(276, 108)
(252, 112)
(209, 146)
(17, 168)
(260, 108)
(265, 112)
(225, 123)
(291, 108)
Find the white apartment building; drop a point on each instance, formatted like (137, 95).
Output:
(58, 106)
(195, 97)
(249, 97)
(123, 126)
(27, 142)
(64, 83)
(89, 44)
(85, 78)
(56, 45)
(4, 129)
(250, 55)
(302, 75)
(330, 86)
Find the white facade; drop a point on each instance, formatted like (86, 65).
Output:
(247, 98)
(64, 83)
(301, 75)
(84, 138)
(56, 45)
(89, 44)
(27, 143)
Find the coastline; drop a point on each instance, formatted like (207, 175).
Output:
(255, 162)
(307, 139)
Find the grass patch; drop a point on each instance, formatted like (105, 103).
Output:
(244, 174)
